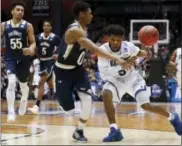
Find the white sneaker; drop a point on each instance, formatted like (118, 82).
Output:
(11, 117)
(23, 107)
(34, 109)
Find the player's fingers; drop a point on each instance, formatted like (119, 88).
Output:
(133, 58)
(127, 66)
(26, 52)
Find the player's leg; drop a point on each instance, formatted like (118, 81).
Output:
(40, 94)
(110, 94)
(84, 91)
(46, 70)
(45, 73)
(10, 92)
(51, 86)
(142, 96)
(23, 72)
(41, 89)
(64, 90)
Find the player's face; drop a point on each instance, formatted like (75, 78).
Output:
(115, 42)
(18, 12)
(87, 16)
(47, 27)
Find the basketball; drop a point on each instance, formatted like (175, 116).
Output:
(148, 35)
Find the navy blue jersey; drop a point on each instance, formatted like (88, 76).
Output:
(47, 46)
(71, 54)
(15, 40)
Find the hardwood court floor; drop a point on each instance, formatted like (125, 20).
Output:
(52, 127)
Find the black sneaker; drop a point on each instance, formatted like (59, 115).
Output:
(79, 136)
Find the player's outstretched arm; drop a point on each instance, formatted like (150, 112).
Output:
(140, 54)
(79, 36)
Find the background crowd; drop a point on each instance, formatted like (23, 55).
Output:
(105, 13)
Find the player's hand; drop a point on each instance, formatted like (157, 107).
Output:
(132, 60)
(28, 52)
(124, 64)
(127, 66)
(55, 57)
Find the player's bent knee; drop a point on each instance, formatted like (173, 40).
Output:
(65, 101)
(67, 107)
(143, 97)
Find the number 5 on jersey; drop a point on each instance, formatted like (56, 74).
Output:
(16, 43)
(44, 52)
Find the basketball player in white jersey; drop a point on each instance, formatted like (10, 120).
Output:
(175, 61)
(119, 81)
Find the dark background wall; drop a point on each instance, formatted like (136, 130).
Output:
(105, 12)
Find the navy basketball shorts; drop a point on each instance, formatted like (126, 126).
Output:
(68, 80)
(46, 68)
(19, 67)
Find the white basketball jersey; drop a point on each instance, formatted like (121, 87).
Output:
(178, 59)
(109, 68)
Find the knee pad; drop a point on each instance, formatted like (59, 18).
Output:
(24, 90)
(11, 82)
(86, 104)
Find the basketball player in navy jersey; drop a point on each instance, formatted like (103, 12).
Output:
(47, 48)
(17, 56)
(69, 72)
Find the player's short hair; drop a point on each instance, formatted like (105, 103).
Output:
(79, 6)
(115, 29)
(17, 3)
(47, 21)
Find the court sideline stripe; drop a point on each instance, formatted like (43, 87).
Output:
(23, 136)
